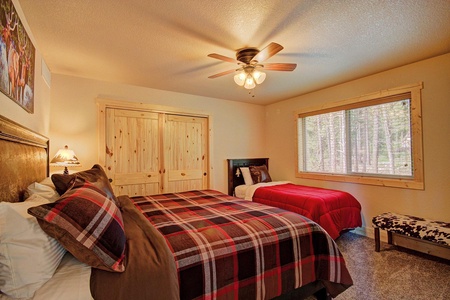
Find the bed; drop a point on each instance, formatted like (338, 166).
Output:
(190, 245)
(336, 211)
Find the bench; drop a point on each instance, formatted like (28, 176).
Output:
(427, 236)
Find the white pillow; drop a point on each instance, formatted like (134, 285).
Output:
(42, 190)
(48, 182)
(28, 256)
(247, 176)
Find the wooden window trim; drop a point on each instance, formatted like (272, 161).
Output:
(417, 181)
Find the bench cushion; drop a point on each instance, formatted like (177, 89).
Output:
(429, 230)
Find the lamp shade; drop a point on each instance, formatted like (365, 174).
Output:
(249, 82)
(65, 158)
(239, 78)
(259, 76)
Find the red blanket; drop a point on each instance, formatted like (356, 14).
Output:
(227, 248)
(333, 210)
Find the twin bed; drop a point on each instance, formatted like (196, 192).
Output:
(189, 245)
(336, 211)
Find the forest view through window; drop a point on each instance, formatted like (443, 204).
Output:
(378, 138)
(369, 140)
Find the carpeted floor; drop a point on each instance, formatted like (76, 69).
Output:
(392, 273)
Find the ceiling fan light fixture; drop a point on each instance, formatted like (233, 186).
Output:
(249, 82)
(240, 77)
(259, 76)
(250, 61)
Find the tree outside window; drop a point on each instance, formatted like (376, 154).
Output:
(375, 139)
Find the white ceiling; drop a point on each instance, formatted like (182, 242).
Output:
(163, 44)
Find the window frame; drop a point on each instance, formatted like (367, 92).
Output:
(414, 93)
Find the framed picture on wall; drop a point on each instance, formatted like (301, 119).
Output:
(17, 56)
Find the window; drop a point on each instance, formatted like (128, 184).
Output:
(373, 139)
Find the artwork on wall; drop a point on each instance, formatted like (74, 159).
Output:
(17, 55)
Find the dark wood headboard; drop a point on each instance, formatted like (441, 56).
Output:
(234, 164)
(24, 159)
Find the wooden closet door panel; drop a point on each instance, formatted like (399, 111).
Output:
(185, 153)
(133, 151)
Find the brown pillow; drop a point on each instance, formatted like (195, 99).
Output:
(260, 174)
(96, 176)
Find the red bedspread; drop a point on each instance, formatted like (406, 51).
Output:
(228, 248)
(331, 209)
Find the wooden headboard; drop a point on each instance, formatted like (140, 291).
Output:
(234, 164)
(24, 159)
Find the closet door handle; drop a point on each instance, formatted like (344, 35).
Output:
(110, 180)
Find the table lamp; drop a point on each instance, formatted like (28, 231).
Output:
(65, 158)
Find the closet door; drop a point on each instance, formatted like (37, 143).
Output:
(185, 153)
(133, 151)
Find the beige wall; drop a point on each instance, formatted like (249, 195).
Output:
(237, 129)
(434, 201)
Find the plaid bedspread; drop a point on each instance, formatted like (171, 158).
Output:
(227, 248)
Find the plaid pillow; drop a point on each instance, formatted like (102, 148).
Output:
(87, 224)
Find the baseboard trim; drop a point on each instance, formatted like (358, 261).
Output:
(369, 232)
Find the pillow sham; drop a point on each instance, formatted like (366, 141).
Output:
(88, 224)
(28, 256)
(42, 190)
(48, 182)
(96, 175)
(247, 176)
(260, 174)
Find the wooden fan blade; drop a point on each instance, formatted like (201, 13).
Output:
(222, 73)
(280, 67)
(224, 58)
(268, 52)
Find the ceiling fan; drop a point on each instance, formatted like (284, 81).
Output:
(250, 61)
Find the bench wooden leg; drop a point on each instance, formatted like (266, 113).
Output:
(377, 239)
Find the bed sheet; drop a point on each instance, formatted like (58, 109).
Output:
(246, 191)
(240, 191)
(70, 282)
